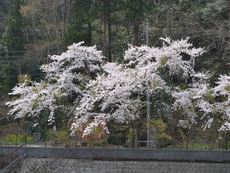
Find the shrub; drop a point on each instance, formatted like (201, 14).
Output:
(14, 139)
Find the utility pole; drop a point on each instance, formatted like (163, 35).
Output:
(148, 113)
(147, 85)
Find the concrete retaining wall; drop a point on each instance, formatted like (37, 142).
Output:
(122, 154)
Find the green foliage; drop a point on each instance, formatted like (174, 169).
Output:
(35, 104)
(164, 61)
(8, 77)
(14, 139)
(130, 135)
(80, 28)
(183, 86)
(115, 139)
(61, 98)
(160, 132)
(24, 78)
(209, 97)
(199, 146)
(118, 134)
(227, 88)
(102, 143)
(62, 137)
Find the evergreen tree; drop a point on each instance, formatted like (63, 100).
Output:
(80, 27)
(13, 38)
(13, 44)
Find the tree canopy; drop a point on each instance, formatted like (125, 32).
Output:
(97, 92)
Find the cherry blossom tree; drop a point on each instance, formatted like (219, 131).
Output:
(222, 105)
(119, 94)
(66, 77)
(95, 92)
(213, 103)
(115, 96)
(201, 103)
(190, 103)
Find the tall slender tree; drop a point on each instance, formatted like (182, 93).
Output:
(13, 38)
(80, 27)
(13, 42)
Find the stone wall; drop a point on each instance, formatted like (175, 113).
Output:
(48, 165)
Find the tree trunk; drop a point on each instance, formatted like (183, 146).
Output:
(109, 36)
(136, 29)
(64, 19)
(106, 38)
(226, 140)
(89, 41)
(139, 17)
(187, 139)
(135, 138)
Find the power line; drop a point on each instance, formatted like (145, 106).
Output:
(23, 51)
(23, 60)
(19, 75)
(15, 56)
(11, 56)
(13, 61)
(20, 58)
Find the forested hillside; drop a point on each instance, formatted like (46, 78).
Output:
(30, 30)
